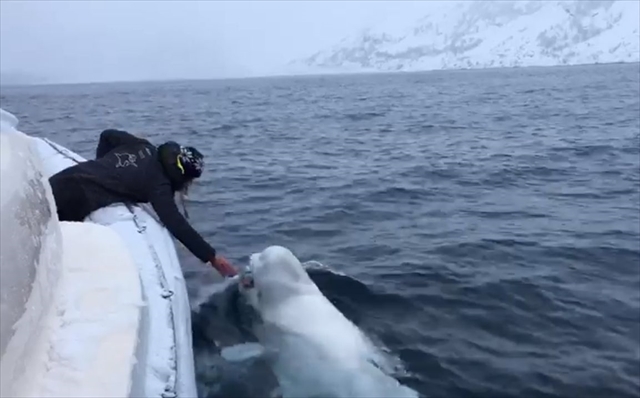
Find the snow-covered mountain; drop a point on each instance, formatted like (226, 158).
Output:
(482, 34)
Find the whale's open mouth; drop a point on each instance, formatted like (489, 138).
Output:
(246, 279)
(246, 275)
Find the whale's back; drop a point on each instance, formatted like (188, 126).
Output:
(320, 351)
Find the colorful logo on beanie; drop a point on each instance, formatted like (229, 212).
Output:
(192, 160)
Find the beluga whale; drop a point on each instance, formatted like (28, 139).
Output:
(311, 347)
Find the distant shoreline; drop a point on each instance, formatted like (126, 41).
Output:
(313, 74)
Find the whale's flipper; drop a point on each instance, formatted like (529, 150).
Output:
(242, 352)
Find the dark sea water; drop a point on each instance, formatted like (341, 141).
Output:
(487, 222)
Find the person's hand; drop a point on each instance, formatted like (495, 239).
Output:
(223, 266)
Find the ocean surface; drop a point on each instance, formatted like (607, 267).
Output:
(487, 223)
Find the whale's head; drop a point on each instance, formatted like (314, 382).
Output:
(273, 276)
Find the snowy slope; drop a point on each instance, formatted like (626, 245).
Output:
(489, 34)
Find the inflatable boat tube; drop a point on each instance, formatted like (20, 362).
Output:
(98, 308)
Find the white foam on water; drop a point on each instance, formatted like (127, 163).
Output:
(205, 293)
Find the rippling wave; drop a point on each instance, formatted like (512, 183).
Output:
(484, 225)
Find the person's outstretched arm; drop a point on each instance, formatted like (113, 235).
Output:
(112, 138)
(163, 203)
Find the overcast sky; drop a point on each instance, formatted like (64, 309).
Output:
(95, 40)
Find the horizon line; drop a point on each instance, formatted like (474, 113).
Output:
(310, 74)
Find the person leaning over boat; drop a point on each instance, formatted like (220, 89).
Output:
(130, 169)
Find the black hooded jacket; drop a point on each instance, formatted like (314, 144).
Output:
(131, 170)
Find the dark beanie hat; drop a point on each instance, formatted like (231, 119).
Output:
(192, 161)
